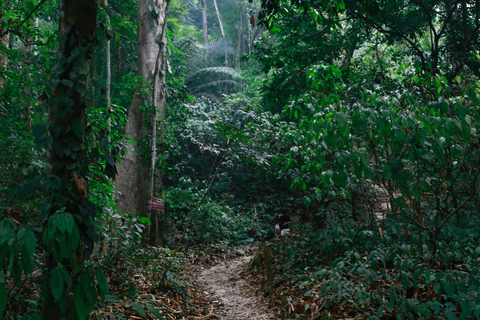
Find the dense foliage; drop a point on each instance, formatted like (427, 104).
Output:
(361, 117)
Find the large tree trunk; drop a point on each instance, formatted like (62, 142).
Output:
(159, 99)
(133, 180)
(67, 161)
(204, 22)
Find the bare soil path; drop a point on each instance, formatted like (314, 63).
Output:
(233, 298)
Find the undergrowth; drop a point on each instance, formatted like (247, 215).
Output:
(384, 271)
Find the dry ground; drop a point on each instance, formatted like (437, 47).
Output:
(232, 296)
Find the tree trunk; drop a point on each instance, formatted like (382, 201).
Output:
(204, 22)
(133, 181)
(4, 43)
(67, 153)
(220, 22)
(159, 109)
(109, 69)
(242, 26)
(240, 31)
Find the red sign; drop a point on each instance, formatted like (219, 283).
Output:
(156, 204)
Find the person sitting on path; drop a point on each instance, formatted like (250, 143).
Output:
(284, 222)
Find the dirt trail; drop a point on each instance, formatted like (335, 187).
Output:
(232, 296)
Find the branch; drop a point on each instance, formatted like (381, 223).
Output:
(397, 33)
(193, 5)
(418, 223)
(24, 20)
(430, 22)
(447, 20)
(460, 206)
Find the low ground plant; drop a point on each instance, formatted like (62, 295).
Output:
(365, 272)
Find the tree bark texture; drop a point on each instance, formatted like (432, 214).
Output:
(132, 181)
(159, 108)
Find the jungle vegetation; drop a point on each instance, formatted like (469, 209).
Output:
(360, 118)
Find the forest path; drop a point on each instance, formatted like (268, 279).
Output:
(233, 297)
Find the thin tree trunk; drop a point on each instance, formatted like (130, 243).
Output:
(220, 22)
(109, 68)
(204, 22)
(4, 44)
(109, 76)
(249, 40)
(239, 44)
(242, 25)
(27, 49)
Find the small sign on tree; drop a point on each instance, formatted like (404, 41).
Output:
(157, 204)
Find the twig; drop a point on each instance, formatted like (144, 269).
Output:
(417, 223)
(454, 211)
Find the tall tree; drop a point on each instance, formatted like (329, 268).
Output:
(133, 182)
(66, 251)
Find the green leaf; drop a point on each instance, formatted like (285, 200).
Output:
(56, 283)
(26, 261)
(110, 159)
(416, 79)
(21, 233)
(29, 242)
(82, 311)
(77, 127)
(468, 120)
(80, 88)
(155, 312)
(69, 222)
(39, 130)
(111, 298)
(67, 83)
(449, 288)
(465, 312)
(25, 189)
(139, 309)
(144, 220)
(472, 96)
(102, 281)
(450, 314)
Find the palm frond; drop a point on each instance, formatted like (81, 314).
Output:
(215, 47)
(214, 70)
(218, 83)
